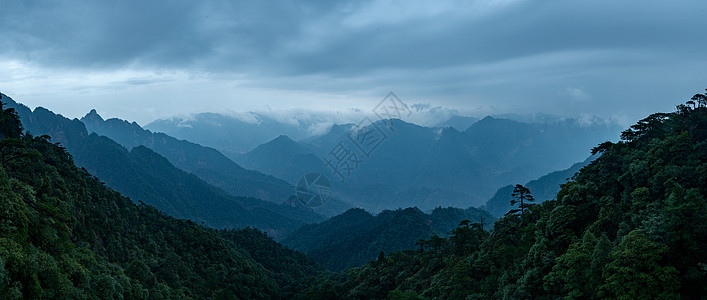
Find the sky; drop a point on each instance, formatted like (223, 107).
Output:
(144, 60)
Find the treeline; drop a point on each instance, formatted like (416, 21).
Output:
(632, 225)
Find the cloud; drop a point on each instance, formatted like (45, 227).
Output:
(309, 38)
(576, 94)
(482, 56)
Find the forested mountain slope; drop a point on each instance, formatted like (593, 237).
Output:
(144, 175)
(632, 225)
(64, 235)
(357, 237)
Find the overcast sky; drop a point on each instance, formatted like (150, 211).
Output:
(142, 60)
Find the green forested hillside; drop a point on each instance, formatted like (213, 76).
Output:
(632, 225)
(357, 237)
(64, 235)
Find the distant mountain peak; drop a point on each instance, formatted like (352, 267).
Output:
(92, 116)
(283, 138)
(283, 143)
(493, 121)
(394, 123)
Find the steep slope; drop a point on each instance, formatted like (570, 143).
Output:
(632, 225)
(357, 237)
(148, 177)
(206, 163)
(64, 235)
(543, 188)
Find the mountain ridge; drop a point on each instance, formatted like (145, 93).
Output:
(462, 168)
(147, 176)
(205, 162)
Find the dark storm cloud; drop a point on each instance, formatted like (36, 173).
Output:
(169, 34)
(309, 37)
(598, 57)
(101, 34)
(523, 30)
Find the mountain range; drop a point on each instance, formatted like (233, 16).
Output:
(230, 134)
(146, 176)
(426, 167)
(206, 163)
(429, 167)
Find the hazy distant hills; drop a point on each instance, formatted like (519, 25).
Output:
(413, 165)
(357, 237)
(460, 123)
(430, 167)
(284, 158)
(543, 188)
(531, 118)
(230, 135)
(147, 176)
(207, 163)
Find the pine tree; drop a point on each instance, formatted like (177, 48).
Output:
(522, 196)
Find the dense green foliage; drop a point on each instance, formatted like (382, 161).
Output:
(148, 177)
(357, 237)
(64, 235)
(632, 225)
